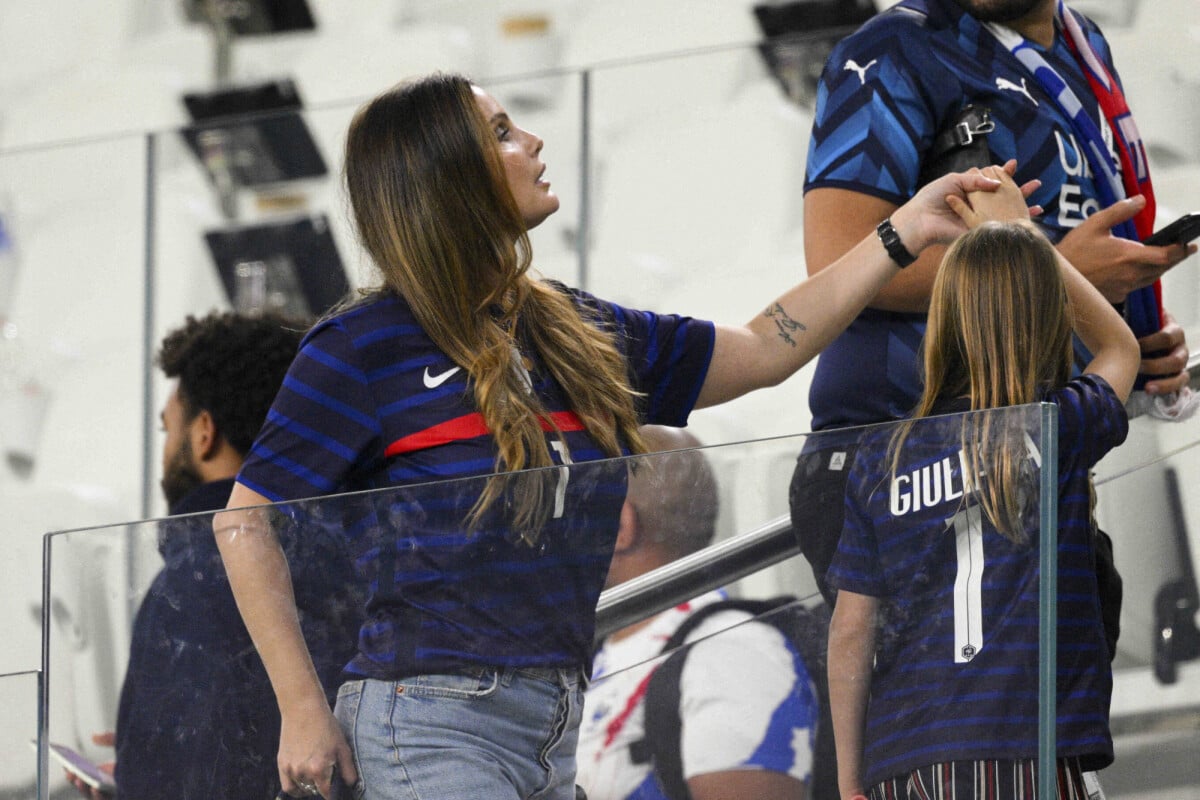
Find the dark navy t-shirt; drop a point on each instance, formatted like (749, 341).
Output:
(956, 666)
(197, 718)
(371, 402)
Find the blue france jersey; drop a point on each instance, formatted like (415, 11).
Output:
(955, 675)
(886, 92)
(371, 402)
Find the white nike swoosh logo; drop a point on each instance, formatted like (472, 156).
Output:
(434, 381)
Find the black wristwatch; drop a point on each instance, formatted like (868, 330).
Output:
(891, 242)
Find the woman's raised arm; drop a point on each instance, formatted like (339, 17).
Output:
(794, 328)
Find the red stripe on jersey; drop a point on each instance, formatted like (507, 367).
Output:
(471, 426)
(468, 426)
(563, 421)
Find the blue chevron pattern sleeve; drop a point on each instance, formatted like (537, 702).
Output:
(874, 118)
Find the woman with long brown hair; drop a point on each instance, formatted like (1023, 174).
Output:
(461, 363)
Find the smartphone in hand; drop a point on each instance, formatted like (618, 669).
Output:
(338, 790)
(1181, 231)
(81, 766)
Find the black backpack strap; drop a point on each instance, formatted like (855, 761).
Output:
(810, 633)
(661, 745)
(697, 618)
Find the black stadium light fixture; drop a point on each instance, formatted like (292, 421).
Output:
(799, 35)
(291, 266)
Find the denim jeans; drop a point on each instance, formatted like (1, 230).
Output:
(501, 734)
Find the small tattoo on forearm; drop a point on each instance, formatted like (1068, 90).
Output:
(786, 325)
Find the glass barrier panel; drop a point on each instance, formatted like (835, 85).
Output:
(87, 626)
(1147, 503)
(248, 217)
(18, 735)
(954, 593)
(184, 621)
(453, 591)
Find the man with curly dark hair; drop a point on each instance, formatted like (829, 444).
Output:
(197, 718)
(228, 369)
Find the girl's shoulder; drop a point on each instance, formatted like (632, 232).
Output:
(1091, 412)
(1088, 389)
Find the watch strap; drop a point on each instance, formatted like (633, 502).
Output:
(891, 242)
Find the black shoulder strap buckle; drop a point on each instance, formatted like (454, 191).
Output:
(972, 121)
(976, 125)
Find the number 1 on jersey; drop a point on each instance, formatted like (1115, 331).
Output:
(968, 584)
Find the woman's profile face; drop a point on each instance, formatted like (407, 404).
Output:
(520, 151)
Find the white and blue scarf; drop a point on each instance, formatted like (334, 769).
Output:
(1130, 174)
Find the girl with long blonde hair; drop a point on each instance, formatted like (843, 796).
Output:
(933, 651)
(463, 363)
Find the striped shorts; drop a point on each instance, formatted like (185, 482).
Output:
(985, 780)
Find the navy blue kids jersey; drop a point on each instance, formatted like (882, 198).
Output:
(955, 675)
(886, 92)
(371, 402)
